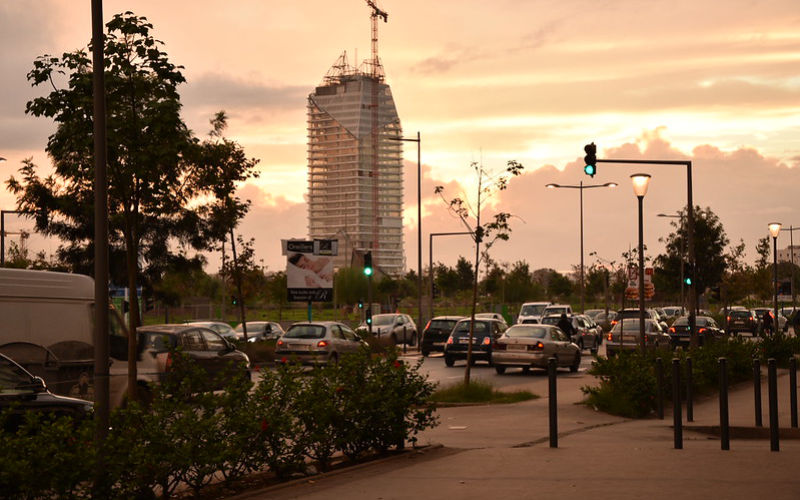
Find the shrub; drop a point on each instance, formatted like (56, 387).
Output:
(627, 385)
(191, 433)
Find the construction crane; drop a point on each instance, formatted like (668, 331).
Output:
(376, 73)
(376, 13)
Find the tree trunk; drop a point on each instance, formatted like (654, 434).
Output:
(133, 318)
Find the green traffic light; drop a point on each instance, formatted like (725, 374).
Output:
(688, 281)
(590, 170)
(367, 271)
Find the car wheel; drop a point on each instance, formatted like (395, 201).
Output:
(449, 361)
(500, 369)
(393, 339)
(593, 350)
(580, 344)
(414, 338)
(334, 358)
(425, 352)
(576, 363)
(526, 369)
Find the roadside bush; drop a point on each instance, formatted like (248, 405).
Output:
(627, 384)
(191, 434)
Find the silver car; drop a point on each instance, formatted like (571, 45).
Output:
(259, 330)
(527, 346)
(222, 328)
(625, 336)
(317, 342)
(398, 328)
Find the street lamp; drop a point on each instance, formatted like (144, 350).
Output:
(640, 184)
(683, 257)
(774, 230)
(419, 227)
(581, 187)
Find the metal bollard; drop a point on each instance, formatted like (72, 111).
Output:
(676, 403)
(772, 383)
(551, 374)
(793, 389)
(757, 391)
(724, 430)
(689, 391)
(660, 386)
(405, 340)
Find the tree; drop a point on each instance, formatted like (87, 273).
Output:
(166, 188)
(710, 242)
(483, 234)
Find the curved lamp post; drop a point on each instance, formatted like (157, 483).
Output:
(774, 230)
(581, 187)
(640, 184)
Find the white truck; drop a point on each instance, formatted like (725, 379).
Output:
(47, 325)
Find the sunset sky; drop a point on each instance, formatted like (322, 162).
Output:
(532, 81)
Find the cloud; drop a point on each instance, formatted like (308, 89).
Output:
(225, 92)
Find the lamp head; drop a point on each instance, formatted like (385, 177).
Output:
(774, 228)
(551, 186)
(640, 184)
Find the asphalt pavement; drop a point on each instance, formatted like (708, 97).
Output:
(504, 451)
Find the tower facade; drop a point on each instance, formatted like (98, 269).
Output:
(355, 169)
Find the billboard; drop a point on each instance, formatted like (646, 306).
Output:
(309, 269)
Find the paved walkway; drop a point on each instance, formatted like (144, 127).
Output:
(503, 452)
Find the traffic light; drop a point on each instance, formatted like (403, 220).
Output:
(688, 274)
(368, 318)
(590, 160)
(360, 304)
(716, 293)
(368, 264)
(234, 300)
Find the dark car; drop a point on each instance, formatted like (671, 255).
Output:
(707, 331)
(485, 332)
(742, 321)
(22, 392)
(436, 332)
(212, 352)
(586, 335)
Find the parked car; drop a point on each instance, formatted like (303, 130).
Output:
(436, 333)
(499, 317)
(485, 332)
(707, 330)
(317, 343)
(22, 392)
(625, 336)
(633, 313)
(398, 328)
(557, 309)
(212, 352)
(586, 336)
(259, 330)
(593, 312)
(605, 321)
(673, 312)
(531, 312)
(527, 346)
(742, 320)
(224, 329)
(783, 323)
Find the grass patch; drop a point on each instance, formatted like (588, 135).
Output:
(479, 392)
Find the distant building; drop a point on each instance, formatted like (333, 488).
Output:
(355, 171)
(785, 255)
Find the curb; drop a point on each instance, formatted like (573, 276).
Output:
(265, 491)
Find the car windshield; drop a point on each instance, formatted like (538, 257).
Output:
(462, 328)
(383, 319)
(740, 314)
(551, 320)
(251, 327)
(532, 310)
(556, 310)
(13, 379)
(528, 331)
(305, 332)
(442, 324)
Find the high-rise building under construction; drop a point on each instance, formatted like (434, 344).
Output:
(355, 168)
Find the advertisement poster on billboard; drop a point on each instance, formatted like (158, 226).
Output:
(309, 270)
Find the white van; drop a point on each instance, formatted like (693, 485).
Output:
(47, 325)
(531, 312)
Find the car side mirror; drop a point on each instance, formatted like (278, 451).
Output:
(38, 385)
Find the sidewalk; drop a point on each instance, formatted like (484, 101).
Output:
(503, 451)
